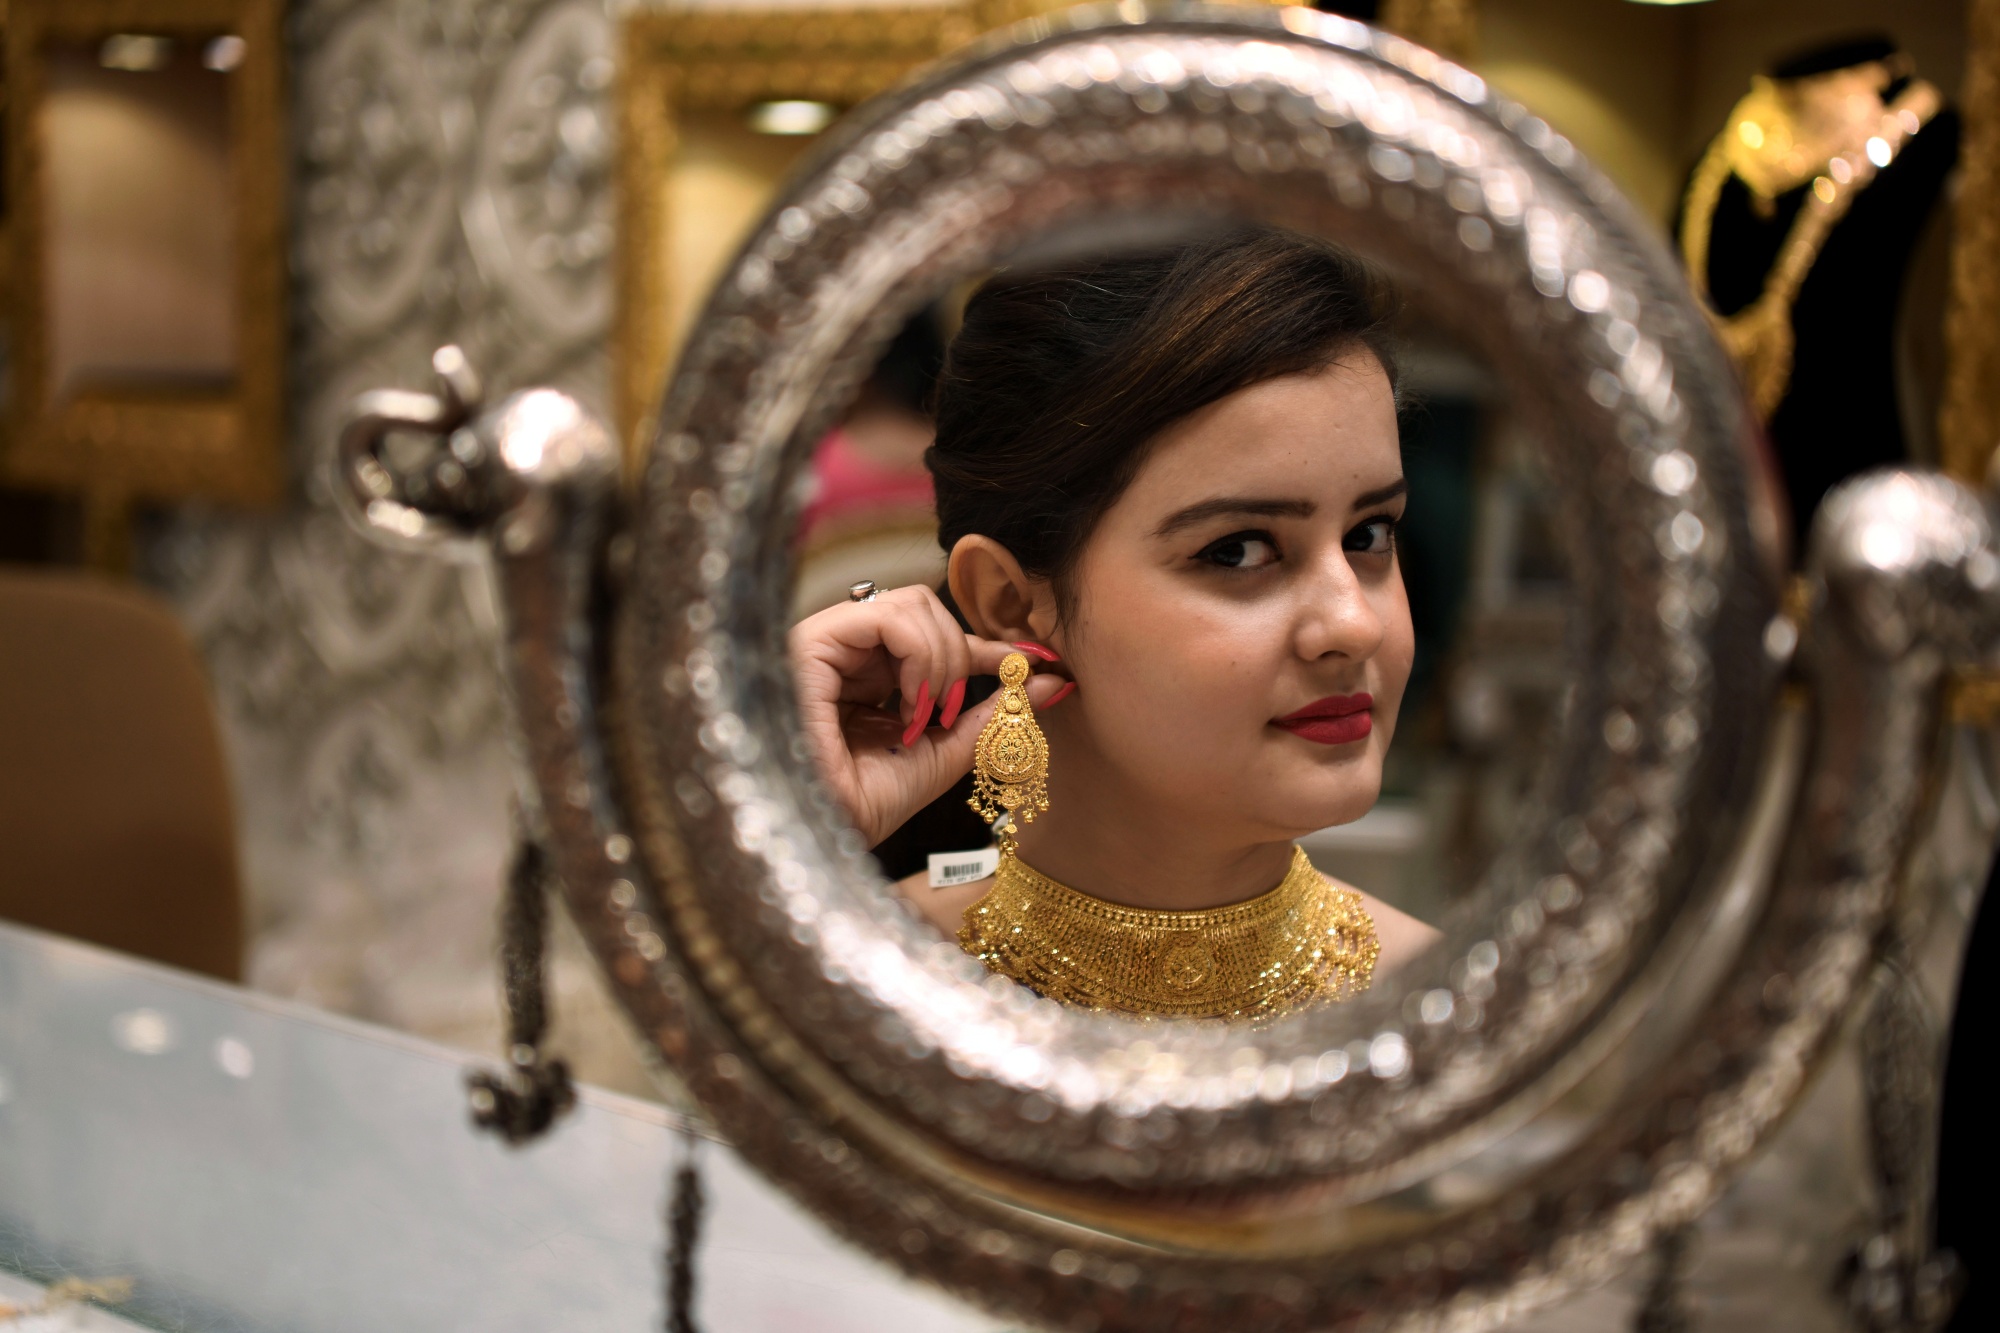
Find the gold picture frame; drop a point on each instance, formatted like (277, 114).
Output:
(115, 440)
(1969, 423)
(672, 64)
(678, 63)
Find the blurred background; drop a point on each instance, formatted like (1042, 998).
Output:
(223, 220)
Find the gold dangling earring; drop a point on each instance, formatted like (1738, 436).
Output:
(1010, 762)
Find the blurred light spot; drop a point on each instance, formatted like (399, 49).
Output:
(1878, 151)
(537, 418)
(224, 53)
(1888, 546)
(1621, 733)
(1982, 570)
(1781, 638)
(235, 1058)
(136, 53)
(1751, 133)
(1673, 473)
(791, 117)
(1389, 1055)
(143, 1031)
(1589, 291)
(1436, 1007)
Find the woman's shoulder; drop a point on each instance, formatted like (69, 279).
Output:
(943, 908)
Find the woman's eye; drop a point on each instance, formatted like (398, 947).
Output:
(1241, 550)
(1375, 537)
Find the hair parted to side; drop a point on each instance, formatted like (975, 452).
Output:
(1061, 377)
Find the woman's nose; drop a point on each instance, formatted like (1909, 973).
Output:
(1336, 615)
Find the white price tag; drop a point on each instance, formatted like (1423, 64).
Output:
(950, 869)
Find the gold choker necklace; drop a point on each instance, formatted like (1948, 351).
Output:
(1306, 939)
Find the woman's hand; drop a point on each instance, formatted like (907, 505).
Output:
(850, 659)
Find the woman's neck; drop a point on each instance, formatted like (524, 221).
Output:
(1131, 853)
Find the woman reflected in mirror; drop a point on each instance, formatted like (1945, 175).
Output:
(1171, 481)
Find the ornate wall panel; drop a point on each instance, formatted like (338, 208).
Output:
(450, 184)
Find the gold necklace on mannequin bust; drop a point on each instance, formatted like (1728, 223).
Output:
(1831, 129)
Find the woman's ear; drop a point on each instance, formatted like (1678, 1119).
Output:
(998, 600)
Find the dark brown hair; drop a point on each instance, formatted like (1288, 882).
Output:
(1061, 376)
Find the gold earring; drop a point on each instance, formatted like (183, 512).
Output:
(1010, 762)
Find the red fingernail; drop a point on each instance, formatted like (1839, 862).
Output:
(954, 699)
(1037, 650)
(1069, 688)
(921, 717)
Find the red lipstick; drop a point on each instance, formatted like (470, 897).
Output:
(1338, 719)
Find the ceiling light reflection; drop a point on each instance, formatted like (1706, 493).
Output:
(136, 53)
(791, 117)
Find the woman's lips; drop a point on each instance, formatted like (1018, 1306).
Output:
(1338, 719)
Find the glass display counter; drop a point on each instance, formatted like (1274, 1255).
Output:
(249, 1164)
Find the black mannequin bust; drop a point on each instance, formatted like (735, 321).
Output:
(1839, 413)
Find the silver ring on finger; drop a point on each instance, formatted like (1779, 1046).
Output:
(864, 591)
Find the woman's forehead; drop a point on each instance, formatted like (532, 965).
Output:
(1324, 437)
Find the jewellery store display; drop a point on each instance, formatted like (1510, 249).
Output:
(1809, 231)
(1679, 926)
(1306, 939)
(1762, 146)
(1010, 764)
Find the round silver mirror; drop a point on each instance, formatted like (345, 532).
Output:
(1628, 997)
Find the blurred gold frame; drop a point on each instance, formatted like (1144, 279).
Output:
(677, 62)
(674, 63)
(1969, 424)
(116, 443)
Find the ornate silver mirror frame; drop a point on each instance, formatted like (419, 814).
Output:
(1672, 939)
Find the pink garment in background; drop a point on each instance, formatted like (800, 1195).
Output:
(847, 485)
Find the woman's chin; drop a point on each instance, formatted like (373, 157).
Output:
(1303, 812)
(1344, 780)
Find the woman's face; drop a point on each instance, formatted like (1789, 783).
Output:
(1241, 637)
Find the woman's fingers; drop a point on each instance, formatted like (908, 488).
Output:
(946, 755)
(933, 683)
(952, 703)
(1043, 692)
(954, 661)
(920, 675)
(983, 657)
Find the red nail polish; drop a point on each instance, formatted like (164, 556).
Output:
(1069, 688)
(921, 716)
(1036, 650)
(954, 699)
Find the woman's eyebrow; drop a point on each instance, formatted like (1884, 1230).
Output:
(1229, 505)
(1400, 486)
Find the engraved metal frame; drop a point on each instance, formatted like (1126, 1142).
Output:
(117, 444)
(1679, 929)
(1422, 173)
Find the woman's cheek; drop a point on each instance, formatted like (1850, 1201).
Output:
(1397, 656)
(1181, 690)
